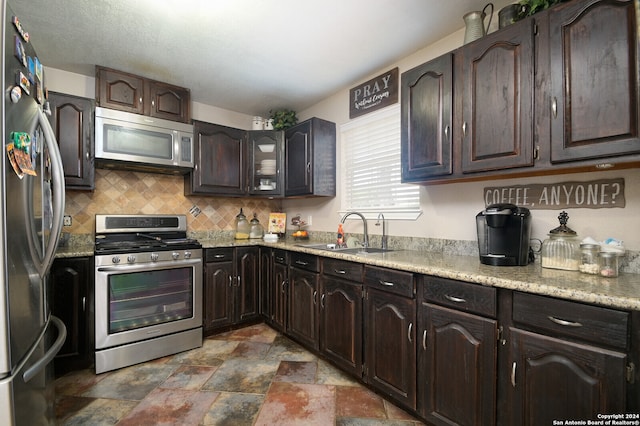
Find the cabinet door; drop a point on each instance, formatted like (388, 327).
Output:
(427, 116)
(594, 79)
(554, 379)
(265, 168)
(456, 367)
(298, 164)
(390, 349)
(72, 122)
(71, 284)
(168, 102)
(303, 299)
(341, 323)
(120, 90)
(279, 296)
(218, 295)
(220, 153)
(497, 100)
(247, 283)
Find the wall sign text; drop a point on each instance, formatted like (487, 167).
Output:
(596, 194)
(374, 94)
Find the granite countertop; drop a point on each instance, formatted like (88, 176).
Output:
(622, 292)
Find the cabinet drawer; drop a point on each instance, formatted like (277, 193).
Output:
(280, 256)
(390, 280)
(221, 254)
(571, 319)
(343, 269)
(460, 295)
(306, 261)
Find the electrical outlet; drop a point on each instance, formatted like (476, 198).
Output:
(309, 220)
(66, 221)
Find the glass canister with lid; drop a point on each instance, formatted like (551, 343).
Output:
(243, 228)
(589, 262)
(562, 249)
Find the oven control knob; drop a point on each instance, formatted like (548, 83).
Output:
(175, 255)
(115, 259)
(131, 258)
(154, 257)
(187, 255)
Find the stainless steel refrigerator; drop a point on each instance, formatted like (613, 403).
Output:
(31, 212)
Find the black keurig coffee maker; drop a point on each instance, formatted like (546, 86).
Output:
(503, 235)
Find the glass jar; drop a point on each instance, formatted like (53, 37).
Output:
(589, 262)
(257, 231)
(562, 249)
(243, 228)
(608, 264)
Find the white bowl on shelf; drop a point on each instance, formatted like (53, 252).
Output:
(267, 147)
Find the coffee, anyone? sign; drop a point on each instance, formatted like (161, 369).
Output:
(596, 194)
(374, 94)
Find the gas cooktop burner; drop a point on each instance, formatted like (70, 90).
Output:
(141, 233)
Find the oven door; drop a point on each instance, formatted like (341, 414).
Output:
(142, 301)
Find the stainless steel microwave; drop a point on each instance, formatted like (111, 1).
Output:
(138, 142)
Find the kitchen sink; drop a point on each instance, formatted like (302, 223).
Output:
(348, 250)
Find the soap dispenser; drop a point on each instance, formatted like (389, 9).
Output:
(243, 228)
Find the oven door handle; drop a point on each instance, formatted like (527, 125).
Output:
(143, 267)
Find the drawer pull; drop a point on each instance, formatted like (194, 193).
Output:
(513, 375)
(386, 283)
(219, 256)
(340, 271)
(409, 332)
(302, 263)
(424, 339)
(455, 299)
(280, 259)
(564, 322)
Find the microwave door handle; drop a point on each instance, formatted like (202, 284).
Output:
(57, 178)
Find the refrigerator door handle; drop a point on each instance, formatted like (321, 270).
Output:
(57, 177)
(51, 353)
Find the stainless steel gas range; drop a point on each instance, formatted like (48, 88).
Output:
(148, 289)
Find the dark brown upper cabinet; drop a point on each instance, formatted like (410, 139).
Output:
(427, 119)
(497, 100)
(131, 93)
(593, 49)
(72, 122)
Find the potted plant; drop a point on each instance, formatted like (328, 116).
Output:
(531, 7)
(283, 119)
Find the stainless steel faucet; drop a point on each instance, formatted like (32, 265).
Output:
(384, 230)
(365, 244)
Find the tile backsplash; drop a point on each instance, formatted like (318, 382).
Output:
(127, 192)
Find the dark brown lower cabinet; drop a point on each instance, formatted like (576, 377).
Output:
(341, 323)
(72, 286)
(390, 345)
(303, 313)
(280, 290)
(456, 367)
(554, 379)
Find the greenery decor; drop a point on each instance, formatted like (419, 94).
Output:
(531, 7)
(283, 119)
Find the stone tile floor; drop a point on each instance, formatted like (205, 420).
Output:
(251, 376)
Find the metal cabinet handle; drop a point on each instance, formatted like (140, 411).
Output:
(455, 299)
(446, 132)
(554, 107)
(309, 167)
(280, 259)
(84, 304)
(322, 301)
(424, 339)
(315, 298)
(386, 283)
(513, 374)
(284, 283)
(409, 332)
(564, 322)
(219, 256)
(230, 281)
(140, 99)
(464, 129)
(238, 278)
(153, 103)
(339, 271)
(300, 262)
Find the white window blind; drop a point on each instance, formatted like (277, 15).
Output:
(371, 167)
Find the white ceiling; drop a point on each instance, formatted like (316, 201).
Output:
(247, 56)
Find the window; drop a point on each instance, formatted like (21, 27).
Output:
(371, 167)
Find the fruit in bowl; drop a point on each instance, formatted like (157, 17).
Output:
(301, 234)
